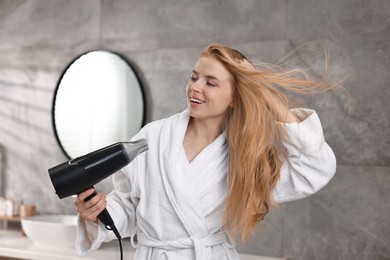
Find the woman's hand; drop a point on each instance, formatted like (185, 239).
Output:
(91, 209)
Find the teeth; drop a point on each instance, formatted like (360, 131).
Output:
(196, 100)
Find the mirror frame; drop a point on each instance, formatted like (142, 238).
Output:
(131, 65)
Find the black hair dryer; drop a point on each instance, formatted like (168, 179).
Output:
(81, 173)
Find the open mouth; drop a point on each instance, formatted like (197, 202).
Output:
(196, 100)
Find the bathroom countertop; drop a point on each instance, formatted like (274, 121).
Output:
(15, 245)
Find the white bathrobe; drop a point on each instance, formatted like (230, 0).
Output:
(176, 207)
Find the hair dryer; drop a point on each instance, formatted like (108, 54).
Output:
(79, 174)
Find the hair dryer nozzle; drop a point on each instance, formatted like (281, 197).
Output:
(77, 175)
(133, 149)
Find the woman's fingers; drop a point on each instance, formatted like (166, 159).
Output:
(97, 209)
(92, 213)
(85, 194)
(91, 208)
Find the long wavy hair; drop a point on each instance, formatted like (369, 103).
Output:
(254, 135)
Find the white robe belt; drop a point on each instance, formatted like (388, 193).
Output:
(199, 244)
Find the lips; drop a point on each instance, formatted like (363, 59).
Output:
(196, 100)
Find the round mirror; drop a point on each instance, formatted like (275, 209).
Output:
(98, 101)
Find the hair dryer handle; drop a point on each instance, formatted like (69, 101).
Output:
(104, 216)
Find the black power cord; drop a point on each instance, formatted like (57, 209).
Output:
(118, 236)
(106, 219)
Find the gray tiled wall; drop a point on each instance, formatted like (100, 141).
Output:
(348, 219)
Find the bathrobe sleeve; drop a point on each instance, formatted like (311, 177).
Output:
(121, 204)
(310, 162)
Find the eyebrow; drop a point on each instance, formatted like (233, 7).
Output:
(207, 76)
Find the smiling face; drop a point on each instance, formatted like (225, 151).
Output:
(209, 90)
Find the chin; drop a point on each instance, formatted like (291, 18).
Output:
(194, 113)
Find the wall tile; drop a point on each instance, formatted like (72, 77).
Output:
(267, 238)
(346, 220)
(367, 128)
(134, 25)
(322, 19)
(48, 24)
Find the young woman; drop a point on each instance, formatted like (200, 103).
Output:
(216, 168)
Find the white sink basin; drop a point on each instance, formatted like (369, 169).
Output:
(51, 230)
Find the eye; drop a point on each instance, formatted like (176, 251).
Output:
(210, 84)
(193, 78)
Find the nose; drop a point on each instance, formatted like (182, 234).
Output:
(196, 86)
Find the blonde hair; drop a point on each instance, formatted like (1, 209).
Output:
(253, 135)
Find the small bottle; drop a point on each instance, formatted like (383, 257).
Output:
(9, 208)
(2, 206)
(16, 208)
(27, 210)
